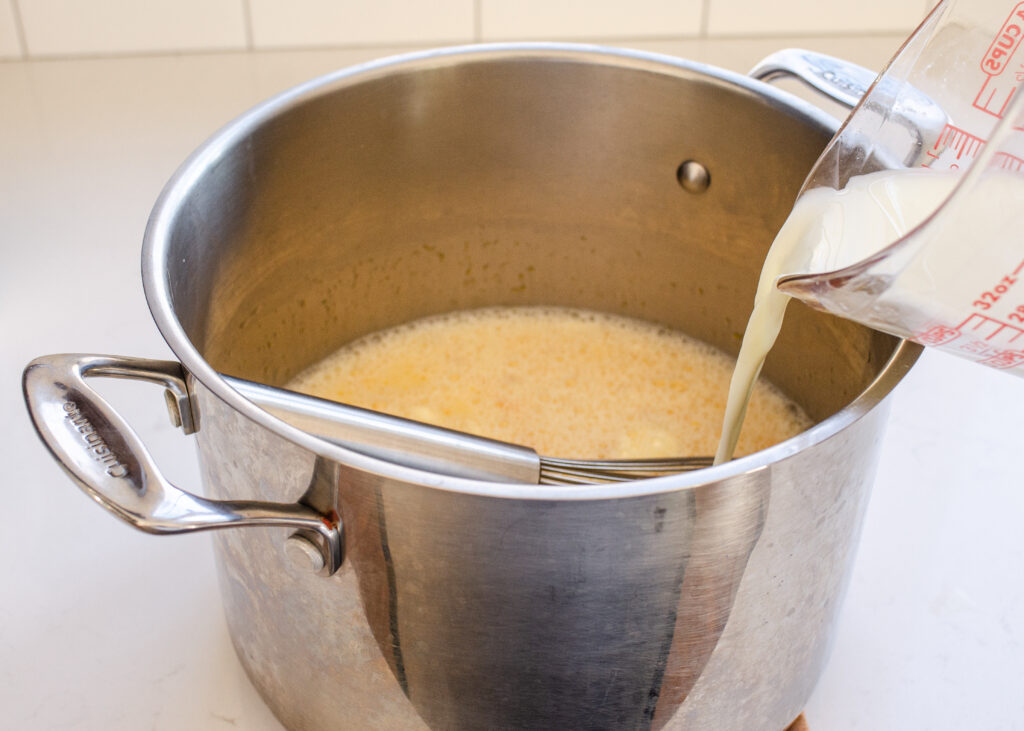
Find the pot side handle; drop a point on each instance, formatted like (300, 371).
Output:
(106, 458)
(839, 80)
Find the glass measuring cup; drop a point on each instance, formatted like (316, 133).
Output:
(946, 105)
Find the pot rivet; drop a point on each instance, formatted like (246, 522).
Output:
(693, 176)
(303, 553)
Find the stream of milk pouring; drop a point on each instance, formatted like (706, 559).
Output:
(827, 230)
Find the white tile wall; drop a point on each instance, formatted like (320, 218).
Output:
(757, 17)
(276, 23)
(111, 27)
(71, 27)
(10, 47)
(544, 19)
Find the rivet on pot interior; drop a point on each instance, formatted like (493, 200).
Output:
(693, 177)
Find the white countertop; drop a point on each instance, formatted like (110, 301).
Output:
(103, 627)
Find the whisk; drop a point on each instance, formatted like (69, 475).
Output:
(445, 451)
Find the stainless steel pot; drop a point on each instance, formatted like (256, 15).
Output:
(503, 175)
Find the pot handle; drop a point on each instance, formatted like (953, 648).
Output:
(839, 80)
(106, 458)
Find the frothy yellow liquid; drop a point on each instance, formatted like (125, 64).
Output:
(569, 383)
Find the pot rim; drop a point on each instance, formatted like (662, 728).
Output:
(156, 284)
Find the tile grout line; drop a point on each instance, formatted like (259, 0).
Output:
(19, 29)
(247, 22)
(705, 18)
(478, 22)
(407, 45)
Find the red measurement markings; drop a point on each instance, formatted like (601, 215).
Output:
(1011, 333)
(985, 336)
(997, 90)
(991, 296)
(1006, 161)
(962, 143)
(995, 95)
(983, 350)
(988, 329)
(979, 331)
(979, 349)
(937, 335)
(1005, 42)
(1006, 359)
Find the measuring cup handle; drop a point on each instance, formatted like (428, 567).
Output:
(106, 458)
(839, 80)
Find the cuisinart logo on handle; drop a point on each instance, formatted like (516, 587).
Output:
(94, 442)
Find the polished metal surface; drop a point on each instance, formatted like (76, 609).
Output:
(560, 471)
(304, 553)
(921, 118)
(104, 456)
(444, 451)
(516, 175)
(694, 177)
(840, 80)
(402, 441)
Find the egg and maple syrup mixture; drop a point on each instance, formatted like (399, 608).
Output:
(567, 382)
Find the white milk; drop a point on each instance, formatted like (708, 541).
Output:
(827, 230)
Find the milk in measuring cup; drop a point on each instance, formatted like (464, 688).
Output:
(829, 230)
